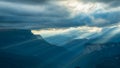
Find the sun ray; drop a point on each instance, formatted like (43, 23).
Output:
(76, 7)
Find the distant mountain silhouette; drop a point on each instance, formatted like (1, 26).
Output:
(56, 41)
(107, 37)
(13, 36)
(22, 49)
(100, 55)
(75, 42)
(92, 54)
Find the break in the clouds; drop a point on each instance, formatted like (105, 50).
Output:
(42, 14)
(112, 3)
(56, 36)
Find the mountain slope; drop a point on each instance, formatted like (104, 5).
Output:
(22, 49)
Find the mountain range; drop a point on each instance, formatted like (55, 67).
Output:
(21, 49)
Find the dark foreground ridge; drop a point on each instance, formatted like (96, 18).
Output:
(22, 49)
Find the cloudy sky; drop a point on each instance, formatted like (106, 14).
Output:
(70, 18)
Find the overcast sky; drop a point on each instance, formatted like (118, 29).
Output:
(55, 17)
(40, 14)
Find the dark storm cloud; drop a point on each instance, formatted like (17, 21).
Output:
(105, 19)
(27, 1)
(112, 18)
(17, 15)
(29, 16)
(8, 8)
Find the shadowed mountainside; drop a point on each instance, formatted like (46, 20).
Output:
(22, 49)
(91, 54)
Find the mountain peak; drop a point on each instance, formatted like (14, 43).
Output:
(13, 36)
